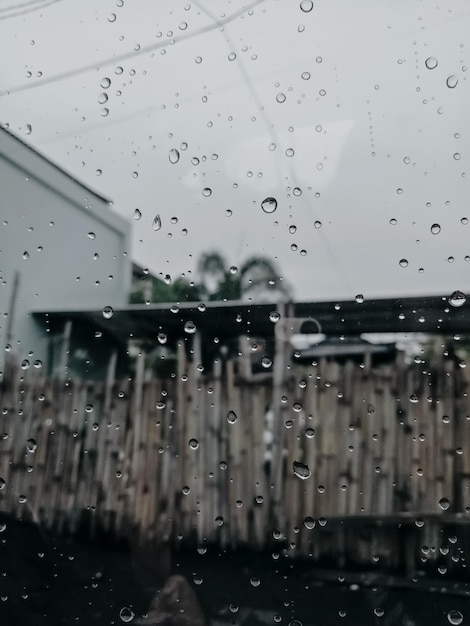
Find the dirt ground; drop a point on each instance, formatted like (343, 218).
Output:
(47, 580)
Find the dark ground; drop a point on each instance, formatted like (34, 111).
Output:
(47, 580)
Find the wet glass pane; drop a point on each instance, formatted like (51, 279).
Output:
(234, 320)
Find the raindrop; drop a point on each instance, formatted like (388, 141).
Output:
(157, 223)
(174, 156)
(201, 307)
(379, 612)
(281, 97)
(266, 362)
(108, 312)
(301, 470)
(25, 255)
(457, 299)
(91, 235)
(274, 316)
(269, 205)
(190, 327)
(454, 617)
(359, 298)
(162, 338)
(219, 521)
(25, 364)
(297, 407)
(255, 581)
(233, 269)
(444, 503)
(31, 445)
(2, 483)
(414, 398)
(232, 417)
(317, 224)
(309, 523)
(309, 433)
(137, 214)
(452, 81)
(306, 6)
(206, 192)
(403, 263)
(435, 229)
(232, 56)
(193, 444)
(126, 614)
(305, 75)
(431, 63)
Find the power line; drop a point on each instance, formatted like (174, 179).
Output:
(15, 13)
(122, 57)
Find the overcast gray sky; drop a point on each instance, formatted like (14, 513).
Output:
(333, 111)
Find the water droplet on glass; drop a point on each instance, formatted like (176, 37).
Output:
(219, 521)
(297, 407)
(126, 614)
(193, 444)
(444, 503)
(317, 224)
(454, 617)
(91, 235)
(309, 523)
(232, 417)
(31, 445)
(174, 156)
(201, 307)
(435, 229)
(137, 214)
(359, 298)
(403, 263)
(266, 362)
(232, 56)
(190, 327)
(2, 483)
(431, 63)
(108, 312)
(206, 192)
(269, 205)
(274, 316)
(306, 6)
(281, 97)
(309, 433)
(255, 581)
(457, 299)
(25, 364)
(305, 75)
(25, 255)
(157, 223)
(452, 81)
(414, 398)
(301, 470)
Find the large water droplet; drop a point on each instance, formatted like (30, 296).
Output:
(359, 298)
(431, 63)
(274, 316)
(232, 417)
(301, 470)
(444, 503)
(457, 299)
(31, 445)
(403, 263)
(414, 398)
(454, 617)
(309, 523)
(266, 362)
(174, 156)
(452, 81)
(269, 205)
(157, 222)
(108, 312)
(281, 97)
(219, 521)
(137, 214)
(190, 327)
(126, 614)
(207, 191)
(306, 6)
(436, 229)
(193, 444)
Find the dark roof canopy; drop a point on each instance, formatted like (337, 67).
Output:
(229, 319)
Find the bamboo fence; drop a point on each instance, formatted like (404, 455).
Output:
(188, 457)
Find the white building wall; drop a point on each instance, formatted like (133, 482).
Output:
(66, 246)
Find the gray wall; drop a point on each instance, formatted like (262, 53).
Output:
(48, 215)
